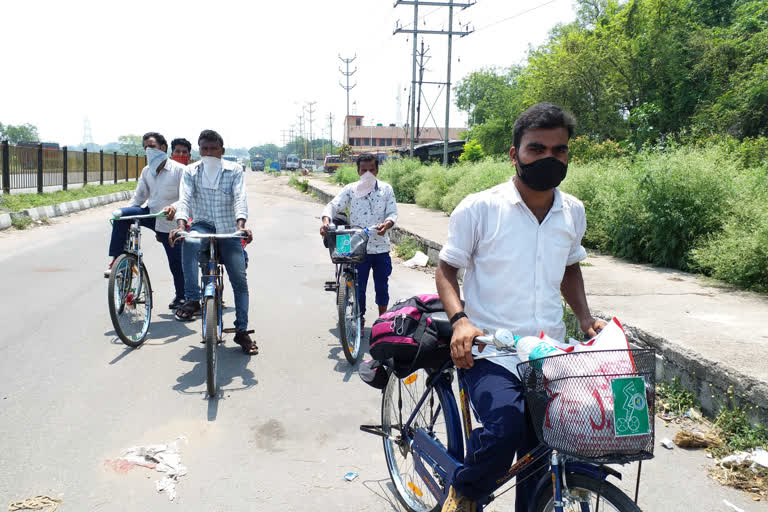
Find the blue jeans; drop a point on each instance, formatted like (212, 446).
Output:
(231, 255)
(120, 234)
(382, 268)
(497, 398)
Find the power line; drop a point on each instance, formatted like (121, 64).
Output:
(515, 15)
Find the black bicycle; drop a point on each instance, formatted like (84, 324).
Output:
(129, 291)
(347, 246)
(212, 284)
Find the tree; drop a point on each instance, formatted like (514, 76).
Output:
(21, 133)
(131, 144)
(473, 152)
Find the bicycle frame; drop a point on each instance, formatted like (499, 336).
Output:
(431, 458)
(211, 284)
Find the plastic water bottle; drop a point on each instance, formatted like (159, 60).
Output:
(533, 347)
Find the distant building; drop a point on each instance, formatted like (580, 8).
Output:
(364, 138)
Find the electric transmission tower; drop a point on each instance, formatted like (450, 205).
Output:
(415, 31)
(347, 88)
(311, 111)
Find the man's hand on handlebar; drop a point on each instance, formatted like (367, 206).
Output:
(181, 225)
(248, 233)
(464, 334)
(170, 212)
(324, 227)
(590, 327)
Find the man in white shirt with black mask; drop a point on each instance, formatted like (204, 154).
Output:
(158, 186)
(520, 243)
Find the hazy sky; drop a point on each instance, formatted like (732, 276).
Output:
(242, 67)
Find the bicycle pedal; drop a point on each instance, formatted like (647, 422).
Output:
(230, 330)
(331, 286)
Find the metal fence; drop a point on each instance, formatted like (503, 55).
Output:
(37, 166)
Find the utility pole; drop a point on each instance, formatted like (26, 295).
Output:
(330, 128)
(450, 33)
(347, 88)
(422, 54)
(311, 111)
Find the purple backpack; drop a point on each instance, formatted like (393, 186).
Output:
(407, 335)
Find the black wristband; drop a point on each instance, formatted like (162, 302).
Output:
(455, 318)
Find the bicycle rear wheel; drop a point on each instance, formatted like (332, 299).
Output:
(586, 494)
(129, 297)
(398, 402)
(211, 338)
(349, 319)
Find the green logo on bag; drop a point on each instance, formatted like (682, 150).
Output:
(343, 244)
(630, 407)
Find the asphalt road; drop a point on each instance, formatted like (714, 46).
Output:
(283, 432)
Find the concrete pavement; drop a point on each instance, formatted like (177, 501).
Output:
(713, 337)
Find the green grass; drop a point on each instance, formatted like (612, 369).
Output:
(21, 221)
(18, 202)
(738, 433)
(345, 175)
(675, 396)
(407, 247)
(299, 184)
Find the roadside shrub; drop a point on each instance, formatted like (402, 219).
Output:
(407, 247)
(435, 184)
(585, 149)
(473, 152)
(474, 178)
(404, 175)
(345, 175)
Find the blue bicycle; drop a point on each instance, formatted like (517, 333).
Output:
(212, 284)
(424, 447)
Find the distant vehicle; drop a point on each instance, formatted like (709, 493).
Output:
(257, 163)
(230, 158)
(332, 162)
(275, 165)
(292, 162)
(308, 164)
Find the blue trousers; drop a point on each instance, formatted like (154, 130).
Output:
(497, 398)
(231, 255)
(120, 234)
(381, 264)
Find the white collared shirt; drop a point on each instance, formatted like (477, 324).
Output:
(374, 208)
(160, 189)
(514, 265)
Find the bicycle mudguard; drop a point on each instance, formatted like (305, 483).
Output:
(598, 472)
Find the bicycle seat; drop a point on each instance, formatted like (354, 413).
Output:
(443, 324)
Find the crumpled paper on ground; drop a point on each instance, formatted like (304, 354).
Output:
(419, 260)
(164, 458)
(758, 456)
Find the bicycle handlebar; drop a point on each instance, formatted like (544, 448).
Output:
(116, 216)
(185, 234)
(503, 340)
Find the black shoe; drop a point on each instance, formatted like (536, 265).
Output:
(177, 303)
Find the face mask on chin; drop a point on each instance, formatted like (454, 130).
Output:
(542, 174)
(182, 159)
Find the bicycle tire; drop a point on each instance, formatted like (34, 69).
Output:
(350, 345)
(118, 292)
(210, 336)
(411, 490)
(610, 496)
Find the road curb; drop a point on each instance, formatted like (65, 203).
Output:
(61, 209)
(714, 384)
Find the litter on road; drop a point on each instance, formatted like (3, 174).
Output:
(350, 476)
(164, 458)
(36, 503)
(419, 260)
(667, 443)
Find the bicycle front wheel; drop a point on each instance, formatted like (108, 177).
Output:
(211, 338)
(587, 494)
(129, 296)
(398, 402)
(349, 319)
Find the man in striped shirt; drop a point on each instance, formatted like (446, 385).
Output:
(213, 189)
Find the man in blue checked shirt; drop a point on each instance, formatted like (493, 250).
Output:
(214, 190)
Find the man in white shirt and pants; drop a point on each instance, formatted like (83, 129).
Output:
(158, 186)
(520, 243)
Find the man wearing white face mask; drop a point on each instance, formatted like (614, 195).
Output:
(158, 186)
(214, 189)
(371, 203)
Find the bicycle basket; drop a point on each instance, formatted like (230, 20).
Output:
(594, 405)
(347, 245)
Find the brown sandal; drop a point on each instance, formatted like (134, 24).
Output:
(187, 311)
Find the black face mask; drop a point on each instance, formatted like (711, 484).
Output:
(542, 174)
